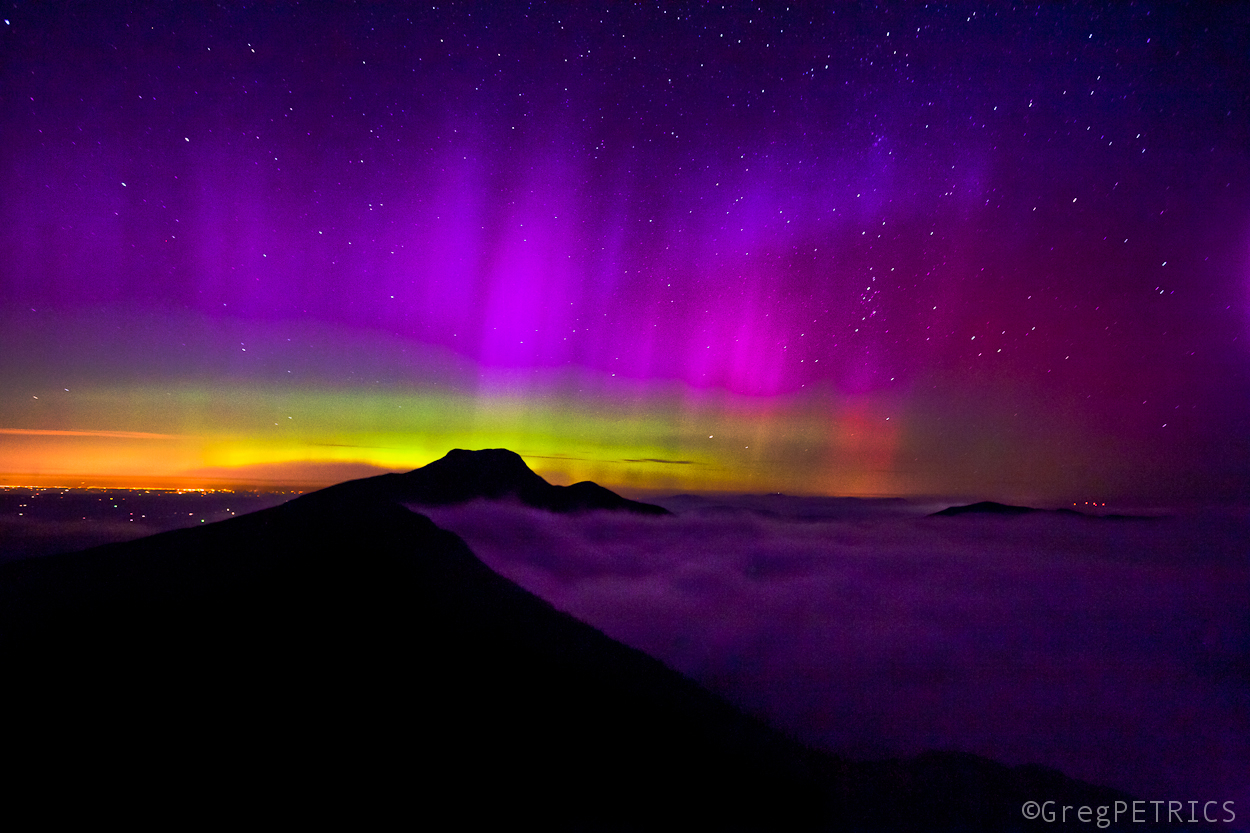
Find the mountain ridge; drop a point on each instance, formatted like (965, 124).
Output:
(307, 655)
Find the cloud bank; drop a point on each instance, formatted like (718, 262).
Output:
(1116, 651)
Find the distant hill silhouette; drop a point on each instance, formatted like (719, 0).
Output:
(492, 473)
(986, 507)
(340, 658)
(989, 507)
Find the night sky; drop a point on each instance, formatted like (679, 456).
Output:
(932, 250)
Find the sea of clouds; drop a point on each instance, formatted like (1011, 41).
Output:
(1117, 651)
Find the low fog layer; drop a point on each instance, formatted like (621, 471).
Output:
(1116, 651)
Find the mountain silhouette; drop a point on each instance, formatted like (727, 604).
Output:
(494, 473)
(986, 507)
(340, 658)
(989, 507)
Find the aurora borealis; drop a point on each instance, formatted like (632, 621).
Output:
(822, 250)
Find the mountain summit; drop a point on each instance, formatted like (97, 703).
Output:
(494, 474)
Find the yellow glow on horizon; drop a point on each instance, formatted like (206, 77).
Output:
(626, 435)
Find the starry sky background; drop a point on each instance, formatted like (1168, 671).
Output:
(848, 250)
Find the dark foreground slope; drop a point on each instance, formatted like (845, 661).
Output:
(338, 656)
(344, 658)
